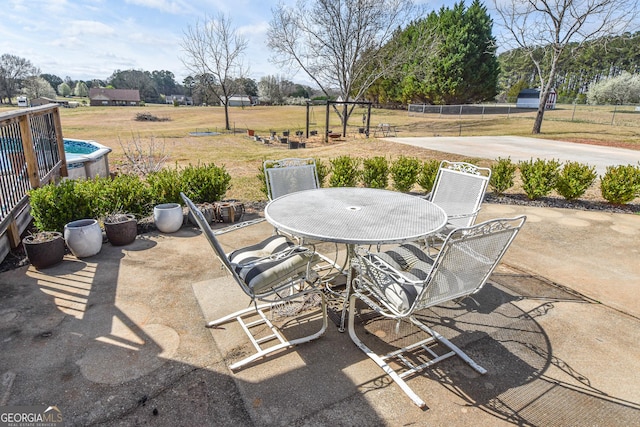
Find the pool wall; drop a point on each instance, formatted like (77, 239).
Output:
(86, 158)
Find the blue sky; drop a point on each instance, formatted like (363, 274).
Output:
(86, 39)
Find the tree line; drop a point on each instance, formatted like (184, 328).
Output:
(443, 57)
(578, 69)
(18, 76)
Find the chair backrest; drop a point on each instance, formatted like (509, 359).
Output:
(459, 189)
(211, 238)
(290, 175)
(466, 260)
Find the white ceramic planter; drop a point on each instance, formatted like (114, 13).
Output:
(83, 237)
(168, 217)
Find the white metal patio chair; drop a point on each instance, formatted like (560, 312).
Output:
(290, 175)
(275, 271)
(400, 282)
(459, 189)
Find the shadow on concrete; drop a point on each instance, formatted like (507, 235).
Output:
(119, 339)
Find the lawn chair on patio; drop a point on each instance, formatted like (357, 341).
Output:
(275, 271)
(400, 282)
(459, 189)
(287, 176)
(290, 175)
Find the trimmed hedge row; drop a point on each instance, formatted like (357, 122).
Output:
(53, 206)
(619, 184)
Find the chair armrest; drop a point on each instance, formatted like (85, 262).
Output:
(464, 215)
(377, 269)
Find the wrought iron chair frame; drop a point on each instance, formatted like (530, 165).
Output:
(293, 287)
(375, 277)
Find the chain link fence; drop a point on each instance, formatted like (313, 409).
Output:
(614, 115)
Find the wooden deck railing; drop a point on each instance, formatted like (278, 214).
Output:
(31, 155)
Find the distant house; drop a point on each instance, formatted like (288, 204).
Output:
(530, 98)
(180, 99)
(101, 96)
(241, 101)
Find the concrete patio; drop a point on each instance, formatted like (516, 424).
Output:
(119, 339)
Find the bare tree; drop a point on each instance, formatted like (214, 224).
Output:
(214, 49)
(341, 45)
(544, 29)
(13, 70)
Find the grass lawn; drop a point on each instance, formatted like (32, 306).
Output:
(116, 127)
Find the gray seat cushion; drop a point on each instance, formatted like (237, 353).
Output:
(261, 273)
(414, 265)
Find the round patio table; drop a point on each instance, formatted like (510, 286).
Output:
(355, 216)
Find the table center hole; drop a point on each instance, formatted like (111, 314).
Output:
(353, 208)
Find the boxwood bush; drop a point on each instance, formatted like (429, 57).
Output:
(404, 171)
(538, 177)
(344, 171)
(503, 173)
(620, 184)
(375, 172)
(574, 179)
(427, 174)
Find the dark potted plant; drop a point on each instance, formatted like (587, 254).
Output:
(44, 248)
(121, 228)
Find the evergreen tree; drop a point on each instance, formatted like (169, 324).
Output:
(461, 68)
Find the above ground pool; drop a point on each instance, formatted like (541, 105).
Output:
(86, 158)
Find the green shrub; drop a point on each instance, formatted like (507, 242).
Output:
(502, 174)
(375, 172)
(574, 179)
(323, 170)
(620, 184)
(538, 177)
(404, 172)
(53, 206)
(345, 172)
(204, 183)
(165, 186)
(129, 194)
(427, 175)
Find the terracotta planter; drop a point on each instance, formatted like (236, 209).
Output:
(44, 249)
(83, 237)
(168, 217)
(121, 230)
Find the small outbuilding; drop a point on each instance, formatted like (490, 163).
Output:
(241, 101)
(179, 99)
(99, 96)
(530, 98)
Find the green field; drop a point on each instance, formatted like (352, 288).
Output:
(116, 127)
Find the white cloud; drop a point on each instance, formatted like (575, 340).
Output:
(173, 7)
(94, 28)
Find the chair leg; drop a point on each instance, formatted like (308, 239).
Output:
(276, 335)
(442, 340)
(379, 360)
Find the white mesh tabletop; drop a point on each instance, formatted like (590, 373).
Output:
(355, 215)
